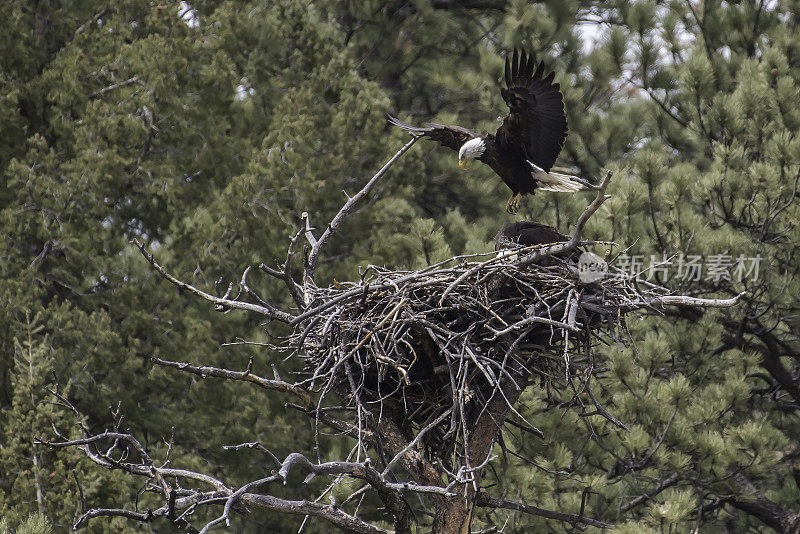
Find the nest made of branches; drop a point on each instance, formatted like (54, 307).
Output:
(416, 345)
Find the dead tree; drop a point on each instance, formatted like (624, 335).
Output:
(426, 365)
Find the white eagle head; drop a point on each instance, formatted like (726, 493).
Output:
(472, 149)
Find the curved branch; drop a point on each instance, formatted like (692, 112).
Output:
(308, 404)
(143, 517)
(484, 500)
(576, 235)
(285, 274)
(220, 303)
(333, 226)
(327, 512)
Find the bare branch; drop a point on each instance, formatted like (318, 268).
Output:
(361, 470)
(316, 245)
(252, 445)
(305, 397)
(681, 300)
(144, 517)
(324, 511)
(576, 235)
(285, 274)
(220, 303)
(484, 500)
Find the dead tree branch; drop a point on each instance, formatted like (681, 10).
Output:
(221, 304)
(347, 209)
(484, 500)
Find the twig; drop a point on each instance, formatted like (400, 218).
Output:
(317, 244)
(220, 303)
(484, 500)
(129, 81)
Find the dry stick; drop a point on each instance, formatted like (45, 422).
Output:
(285, 274)
(221, 303)
(252, 445)
(300, 393)
(530, 320)
(146, 469)
(228, 496)
(226, 513)
(143, 517)
(333, 515)
(416, 440)
(359, 291)
(582, 220)
(317, 244)
(484, 500)
(379, 357)
(681, 300)
(498, 257)
(361, 470)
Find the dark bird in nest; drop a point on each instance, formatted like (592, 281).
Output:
(528, 233)
(525, 147)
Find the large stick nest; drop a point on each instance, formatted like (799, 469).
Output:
(415, 345)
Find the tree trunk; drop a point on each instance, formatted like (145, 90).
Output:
(454, 514)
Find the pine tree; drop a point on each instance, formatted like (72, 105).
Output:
(710, 171)
(30, 471)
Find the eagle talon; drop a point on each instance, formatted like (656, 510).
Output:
(512, 206)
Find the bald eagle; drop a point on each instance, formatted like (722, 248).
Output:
(526, 145)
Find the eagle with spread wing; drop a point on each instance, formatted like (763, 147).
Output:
(525, 147)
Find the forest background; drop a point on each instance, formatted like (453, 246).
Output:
(205, 129)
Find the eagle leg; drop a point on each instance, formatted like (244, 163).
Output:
(512, 206)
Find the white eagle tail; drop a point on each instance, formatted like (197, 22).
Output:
(553, 181)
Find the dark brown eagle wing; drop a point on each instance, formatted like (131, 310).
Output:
(450, 136)
(536, 119)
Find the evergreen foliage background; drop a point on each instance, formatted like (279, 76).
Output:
(206, 128)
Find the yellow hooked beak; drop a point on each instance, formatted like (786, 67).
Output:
(463, 164)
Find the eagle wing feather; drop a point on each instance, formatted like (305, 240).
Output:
(449, 136)
(536, 118)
